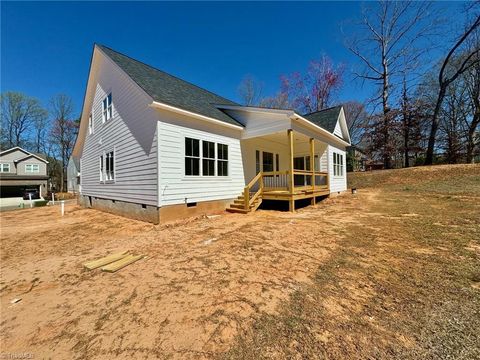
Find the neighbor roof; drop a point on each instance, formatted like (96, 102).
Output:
(170, 90)
(326, 118)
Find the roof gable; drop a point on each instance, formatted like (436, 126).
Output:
(331, 119)
(170, 90)
(326, 118)
(31, 156)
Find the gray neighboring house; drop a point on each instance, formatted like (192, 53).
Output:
(21, 170)
(73, 175)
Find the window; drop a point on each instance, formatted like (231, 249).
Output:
(4, 168)
(90, 124)
(277, 162)
(208, 158)
(32, 168)
(222, 156)
(101, 167)
(107, 112)
(192, 157)
(109, 166)
(337, 164)
(267, 161)
(257, 161)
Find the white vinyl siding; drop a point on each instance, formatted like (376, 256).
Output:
(337, 182)
(132, 137)
(175, 186)
(32, 168)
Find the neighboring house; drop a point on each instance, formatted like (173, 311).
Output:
(356, 159)
(21, 170)
(73, 175)
(154, 147)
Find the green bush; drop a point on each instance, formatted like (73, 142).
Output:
(40, 203)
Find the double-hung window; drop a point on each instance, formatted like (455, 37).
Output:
(107, 109)
(101, 167)
(337, 164)
(192, 157)
(208, 158)
(222, 156)
(4, 168)
(32, 168)
(109, 166)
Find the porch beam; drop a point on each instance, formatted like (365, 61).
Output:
(291, 182)
(312, 166)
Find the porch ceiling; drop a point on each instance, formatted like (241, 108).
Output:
(281, 137)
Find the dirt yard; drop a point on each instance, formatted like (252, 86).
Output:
(392, 272)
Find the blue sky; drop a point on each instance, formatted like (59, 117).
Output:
(46, 46)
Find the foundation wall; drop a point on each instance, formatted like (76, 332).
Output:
(140, 212)
(153, 214)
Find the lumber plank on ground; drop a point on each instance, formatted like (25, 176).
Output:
(117, 265)
(105, 260)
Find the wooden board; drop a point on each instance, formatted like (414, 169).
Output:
(117, 265)
(105, 260)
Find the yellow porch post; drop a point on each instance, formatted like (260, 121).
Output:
(291, 183)
(312, 167)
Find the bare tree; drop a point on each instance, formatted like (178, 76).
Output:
(314, 90)
(357, 120)
(64, 131)
(472, 81)
(19, 112)
(279, 101)
(449, 72)
(390, 34)
(250, 91)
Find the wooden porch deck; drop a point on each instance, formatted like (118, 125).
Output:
(290, 185)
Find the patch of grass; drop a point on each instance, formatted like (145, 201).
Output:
(401, 283)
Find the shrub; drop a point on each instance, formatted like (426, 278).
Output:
(40, 203)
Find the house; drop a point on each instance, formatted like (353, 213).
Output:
(73, 175)
(356, 159)
(21, 170)
(154, 147)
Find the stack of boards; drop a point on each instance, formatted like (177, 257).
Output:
(113, 262)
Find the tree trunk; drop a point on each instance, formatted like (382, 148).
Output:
(434, 128)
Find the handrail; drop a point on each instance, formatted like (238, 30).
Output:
(246, 191)
(308, 172)
(254, 180)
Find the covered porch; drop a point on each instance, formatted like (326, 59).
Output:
(283, 166)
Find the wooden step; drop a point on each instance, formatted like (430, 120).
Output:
(235, 210)
(237, 206)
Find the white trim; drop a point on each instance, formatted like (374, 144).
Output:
(156, 104)
(319, 129)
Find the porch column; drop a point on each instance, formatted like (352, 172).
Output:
(312, 167)
(291, 183)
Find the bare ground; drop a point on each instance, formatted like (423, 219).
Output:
(393, 272)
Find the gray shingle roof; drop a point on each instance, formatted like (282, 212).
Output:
(326, 118)
(170, 90)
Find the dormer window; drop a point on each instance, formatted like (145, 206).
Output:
(107, 109)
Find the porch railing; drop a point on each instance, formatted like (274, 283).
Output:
(267, 181)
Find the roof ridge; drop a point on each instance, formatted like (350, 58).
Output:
(329, 108)
(164, 72)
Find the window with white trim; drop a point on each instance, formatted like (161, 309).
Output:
(109, 166)
(192, 157)
(32, 168)
(208, 158)
(101, 167)
(4, 168)
(337, 164)
(107, 109)
(90, 124)
(222, 160)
